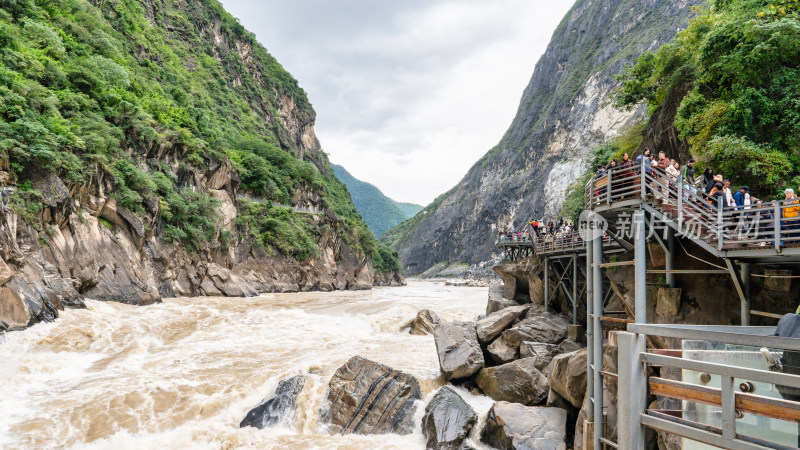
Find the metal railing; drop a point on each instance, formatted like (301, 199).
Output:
(733, 401)
(760, 225)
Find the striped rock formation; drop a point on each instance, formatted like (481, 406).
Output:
(366, 397)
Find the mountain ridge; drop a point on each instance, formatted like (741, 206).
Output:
(379, 211)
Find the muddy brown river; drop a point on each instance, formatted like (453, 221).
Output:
(183, 373)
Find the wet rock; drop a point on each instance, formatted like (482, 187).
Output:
(493, 324)
(542, 352)
(447, 421)
(518, 427)
(519, 381)
(275, 409)
(14, 312)
(568, 346)
(500, 352)
(568, 376)
(496, 300)
(424, 323)
(366, 397)
(460, 355)
(545, 328)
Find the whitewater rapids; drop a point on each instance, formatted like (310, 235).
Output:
(183, 373)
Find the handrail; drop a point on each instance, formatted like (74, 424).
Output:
(635, 386)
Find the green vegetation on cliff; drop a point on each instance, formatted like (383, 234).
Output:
(379, 211)
(144, 97)
(742, 114)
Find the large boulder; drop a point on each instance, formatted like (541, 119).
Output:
(545, 328)
(513, 426)
(366, 397)
(500, 352)
(493, 324)
(447, 421)
(568, 376)
(519, 381)
(275, 409)
(496, 300)
(542, 352)
(568, 346)
(425, 322)
(460, 355)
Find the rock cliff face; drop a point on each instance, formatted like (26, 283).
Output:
(77, 240)
(564, 113)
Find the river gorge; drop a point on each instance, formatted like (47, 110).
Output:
(183, 373)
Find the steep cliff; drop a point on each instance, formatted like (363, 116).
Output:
(153, 148)
(565, 112)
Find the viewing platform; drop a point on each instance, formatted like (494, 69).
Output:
(630, 212)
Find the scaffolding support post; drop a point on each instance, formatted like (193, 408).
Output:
(640, 269)
(746, 268)
(589, 332)
(597, 341)
(574, 289)
(633, 399)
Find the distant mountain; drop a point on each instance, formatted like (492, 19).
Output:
(379, 211)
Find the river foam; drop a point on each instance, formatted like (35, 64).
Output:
(182, 374)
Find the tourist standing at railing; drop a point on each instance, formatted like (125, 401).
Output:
(663, 161)
(791, 211)
(645, 154)
(673, 170)
(726, 188)
(708, 179)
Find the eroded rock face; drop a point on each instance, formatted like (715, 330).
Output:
(448, 420)
(493, 324)
(519, 382)
(425, 322)
(277, 408)
(496, 300)
(518, 427)
(568, 376)
(460, 355)
(366, 397)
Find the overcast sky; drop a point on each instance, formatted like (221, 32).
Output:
(408, 94)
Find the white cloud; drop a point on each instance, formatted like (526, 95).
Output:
(408, 94)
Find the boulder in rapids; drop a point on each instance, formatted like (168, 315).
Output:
(460, 355)
(493, 324)
(366, 397)
(542, 352)
(518, 427)
(424, 323)
(519, 381)
(447, 421)
(568, 376)
(275, 409)
(545, 328)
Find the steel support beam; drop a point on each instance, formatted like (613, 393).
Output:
(597, 341)
(632, 401)
(640, 267)
(589, 333)
(746, 269)
(575, 289)
(670, 258)
(737, 282)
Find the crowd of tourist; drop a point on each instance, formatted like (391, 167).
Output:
(538, 229)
